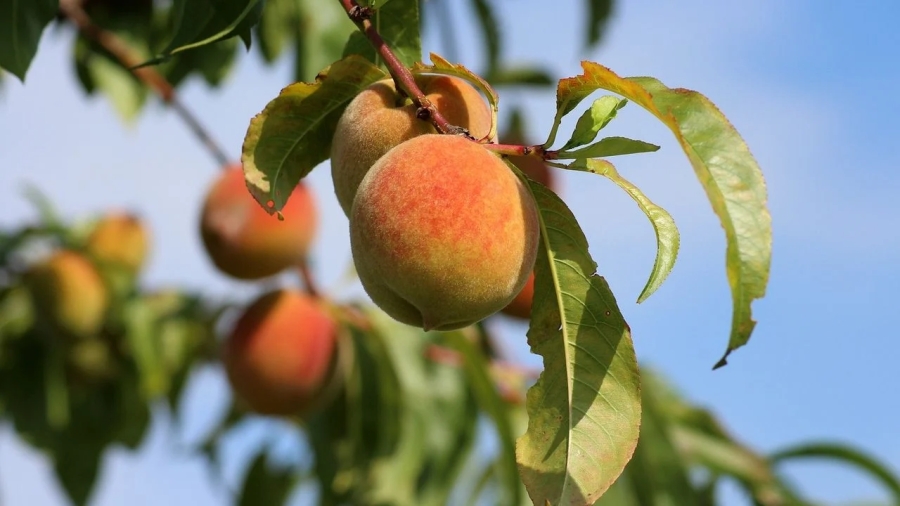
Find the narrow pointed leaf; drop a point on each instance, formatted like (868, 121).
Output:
(21, 24)
(200, 22)
(293, 133)
(667, 236)
(725, 167)
(598, 14)
(264, 486)
(490, 29)
(847, 455)
(601, 112)
(610, 146)
(520, 76)
(585, 409)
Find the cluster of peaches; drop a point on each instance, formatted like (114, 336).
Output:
(443, 235)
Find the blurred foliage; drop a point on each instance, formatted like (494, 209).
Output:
(419, 417)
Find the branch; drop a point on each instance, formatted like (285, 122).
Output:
(402, 76)
(148, 75)
(519, 150)
(308, 279)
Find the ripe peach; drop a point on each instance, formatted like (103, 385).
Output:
(246, 242)
(280, 354)
(68, 294)
(443, 234)
(119, 239)
(378, 119)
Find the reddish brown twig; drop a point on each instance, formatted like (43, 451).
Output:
(402, 76)
(308, 279)
(109, 41)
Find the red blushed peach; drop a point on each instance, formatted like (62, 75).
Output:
(281, 353)
(378, 119)
(246, 242)
(443, 233)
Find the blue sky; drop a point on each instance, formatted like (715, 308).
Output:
(810, 86)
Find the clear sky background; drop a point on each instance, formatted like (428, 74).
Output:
(811, 86)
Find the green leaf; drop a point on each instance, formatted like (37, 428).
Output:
(321, 34)
(657, 470)
(77, 465)
(398, 24)
(845, 454)
(724, 166)
(142, 338)
(21, 24)
(598, 14)
(276, 27)
(358, 44)
(264, 486)
(293, 133)
(520, 76)
(201, 22)
(489, 400)
(601, 112)
(489, 27)
(585, 409)
(667, 236)
(610, 146)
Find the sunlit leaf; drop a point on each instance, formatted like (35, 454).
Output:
(610, 146)
(722, 162)
(667, 237)
(21, 24)
(601, 112)
(585, 409)
(321, 32)
(293, 133)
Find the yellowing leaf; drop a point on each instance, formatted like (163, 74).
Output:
(722, 162)
(293, 133)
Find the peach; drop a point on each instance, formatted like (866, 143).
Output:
(443, 233)
(119, 239)
(68, 294)
(379, 118)
(243, 240)
(281, 353)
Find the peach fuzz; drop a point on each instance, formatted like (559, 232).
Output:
(443, 234)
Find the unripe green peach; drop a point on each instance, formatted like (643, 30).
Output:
(280, 356)
(443, 233)
(68, 294)
(246, 242)
(119, 239)
(378, 119)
